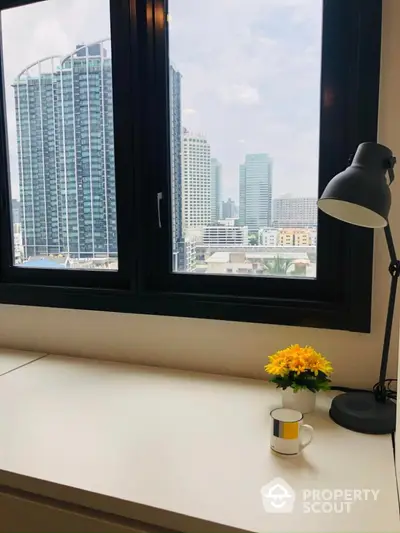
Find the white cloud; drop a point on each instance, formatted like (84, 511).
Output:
(35, 31)
(240, 94)
(251, 71)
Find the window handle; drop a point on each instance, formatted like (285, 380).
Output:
(159, 198)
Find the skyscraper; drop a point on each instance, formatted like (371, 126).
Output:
(65, 141)
(229, 209)
(216, 202)
(255, 191)
(289, 212)
(175, 105)
(16, 211)
(196, 181)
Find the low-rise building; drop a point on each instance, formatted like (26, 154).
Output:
(228, 263)
(268, 237)
(225, 235)
(18, 248)
(260, 263)
(294, 237)
(190, 255)
(313, 237)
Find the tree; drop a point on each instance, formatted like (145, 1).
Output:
(253, 239)
(277, 266)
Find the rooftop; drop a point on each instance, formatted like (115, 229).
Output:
(43, 262)
(273, 255)
(219, 257)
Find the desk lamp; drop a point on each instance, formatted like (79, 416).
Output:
(360, 195)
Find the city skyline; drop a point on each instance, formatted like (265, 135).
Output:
(60, 110)
(64, 143)
(227, 92)
(177, 129)
(253, 86)
(214, 199)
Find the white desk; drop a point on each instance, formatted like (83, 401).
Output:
(181, 450)
(12, 359)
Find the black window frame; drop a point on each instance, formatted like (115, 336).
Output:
(340, 297)
(124, 278)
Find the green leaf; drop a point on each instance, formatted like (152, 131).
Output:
(305, 380)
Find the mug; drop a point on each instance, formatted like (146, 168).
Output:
(289, 436)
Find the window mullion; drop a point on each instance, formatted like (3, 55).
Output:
(126, 105)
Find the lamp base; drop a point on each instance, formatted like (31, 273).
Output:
(359, 411)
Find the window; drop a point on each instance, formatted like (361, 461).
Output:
(144, 169)
(57, 241)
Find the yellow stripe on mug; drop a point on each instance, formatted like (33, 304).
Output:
(286, 430)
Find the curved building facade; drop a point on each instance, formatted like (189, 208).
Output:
(64, 114)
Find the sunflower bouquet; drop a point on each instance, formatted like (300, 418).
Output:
(299, 368)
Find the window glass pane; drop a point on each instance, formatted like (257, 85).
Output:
(57, 69)
(244, 81)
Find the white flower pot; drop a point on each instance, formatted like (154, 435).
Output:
(302, 400)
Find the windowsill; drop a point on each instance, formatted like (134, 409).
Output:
(257, 309)
(178, 449)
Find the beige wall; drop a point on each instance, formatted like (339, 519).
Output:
(227, 347)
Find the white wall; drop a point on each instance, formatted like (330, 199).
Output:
(227, 347)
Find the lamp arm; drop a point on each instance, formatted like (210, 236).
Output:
(394, 270)
(390, 244)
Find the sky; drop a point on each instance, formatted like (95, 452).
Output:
(36, 31)
(250, 75)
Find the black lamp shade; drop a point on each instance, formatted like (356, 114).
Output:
(360, 195)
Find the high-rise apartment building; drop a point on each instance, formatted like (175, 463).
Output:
(255, 191)
(216, 201)
(229, 209)
(16, 211)
(64, 113)
(289, 212)
(175, 105)
(196, 181)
